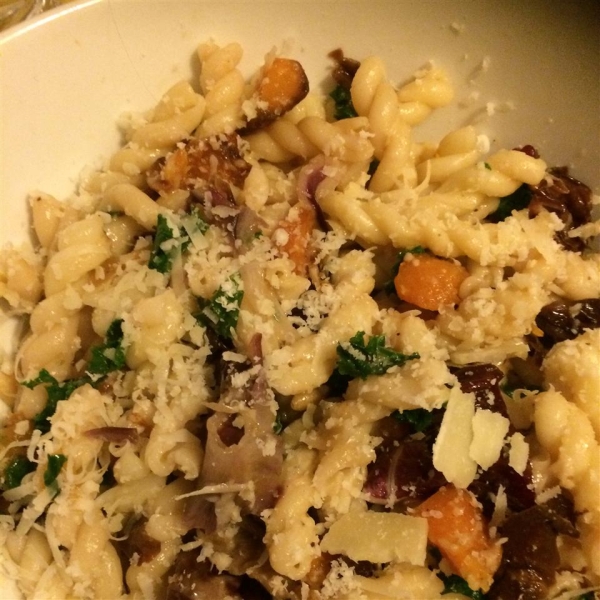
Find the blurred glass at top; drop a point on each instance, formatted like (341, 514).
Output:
(15, 11)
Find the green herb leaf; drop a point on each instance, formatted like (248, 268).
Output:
(110, 356)
(518, 200)
(56, 392)
(15, 470)
(343, 103)
(277, 424)
(359, 359)
(418, 418)
(162, 260)
(457, 585)
(55, 463)
(389, 286)
(222, 311)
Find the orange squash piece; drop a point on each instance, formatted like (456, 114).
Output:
(458, 529)
(429, 282)
(283, 84)
(298, 225)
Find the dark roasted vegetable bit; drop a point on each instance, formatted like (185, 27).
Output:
(568, 198)
(133, 543)
(116, 435)
(484, 381)
(222, 311)
(453, 584)
(345, 68)
(402, 473)
(530, 556)
(55, 463)
(562, 320)
(15, 470)
(519, 489)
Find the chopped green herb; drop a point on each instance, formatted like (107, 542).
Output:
(389, 286)
(277, 424)
(55, 463)
(359, 359)
(15, 470)
(457, 585)
(110, 356)
(518, 200)
(418, 418)
(343, 103)
(56, 392)
(162, 260)
(487, 166)
(222, 311)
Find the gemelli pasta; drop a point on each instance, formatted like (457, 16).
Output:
(278, 348)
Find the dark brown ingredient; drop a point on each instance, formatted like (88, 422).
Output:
(484, 381)
(530, 555)
(568, 198)
(189, 579)
(199, 513)
(117, 435)
(345, 68)
(135, 541)
(249, 548)
(562, 320)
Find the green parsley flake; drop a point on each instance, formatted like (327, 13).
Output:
(222, 311)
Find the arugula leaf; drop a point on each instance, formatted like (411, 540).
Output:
(389, 286)
(586, 596)
(457, 585)
(222, 311)
(418, 418)
(15, 470)
(518, 200)
(343, 103)
(56, 392)
(359, 359)
(55, 463)
(109, 356)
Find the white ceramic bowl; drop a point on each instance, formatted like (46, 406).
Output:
(66, 76)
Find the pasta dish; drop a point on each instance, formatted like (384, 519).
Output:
(278, 348)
